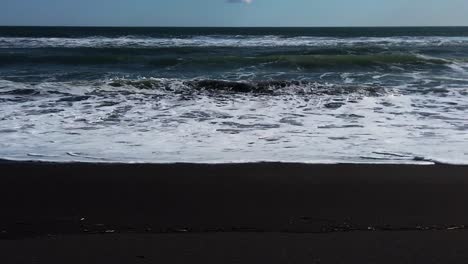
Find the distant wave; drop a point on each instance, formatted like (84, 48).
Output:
(227, 41)
(303, 61)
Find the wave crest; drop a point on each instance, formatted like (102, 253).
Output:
(256, 87)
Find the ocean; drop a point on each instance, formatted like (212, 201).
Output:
(217, 95)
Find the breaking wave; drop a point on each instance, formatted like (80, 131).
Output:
(226, 41)
(261, 87)
(226, 94)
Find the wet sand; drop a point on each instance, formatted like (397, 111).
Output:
(233, 213)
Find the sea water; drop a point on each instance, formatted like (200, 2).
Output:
(315, 95)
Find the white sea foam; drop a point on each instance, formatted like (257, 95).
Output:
(227, 41)
(127, 124)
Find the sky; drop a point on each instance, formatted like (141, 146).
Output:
(220, 13)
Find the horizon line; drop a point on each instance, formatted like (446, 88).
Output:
(104, 26)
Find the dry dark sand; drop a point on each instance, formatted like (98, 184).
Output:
(239, 213)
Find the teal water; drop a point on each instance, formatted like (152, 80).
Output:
(282, 94)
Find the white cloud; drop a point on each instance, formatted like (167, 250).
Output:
(240, 1)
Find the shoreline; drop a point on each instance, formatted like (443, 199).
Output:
(415, 161)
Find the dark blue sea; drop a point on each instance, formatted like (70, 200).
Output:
(314, 95)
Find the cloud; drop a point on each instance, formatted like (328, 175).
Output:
(240, 1)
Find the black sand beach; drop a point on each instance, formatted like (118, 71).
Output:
(237, 213)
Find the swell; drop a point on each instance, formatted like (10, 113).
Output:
(306, 61)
